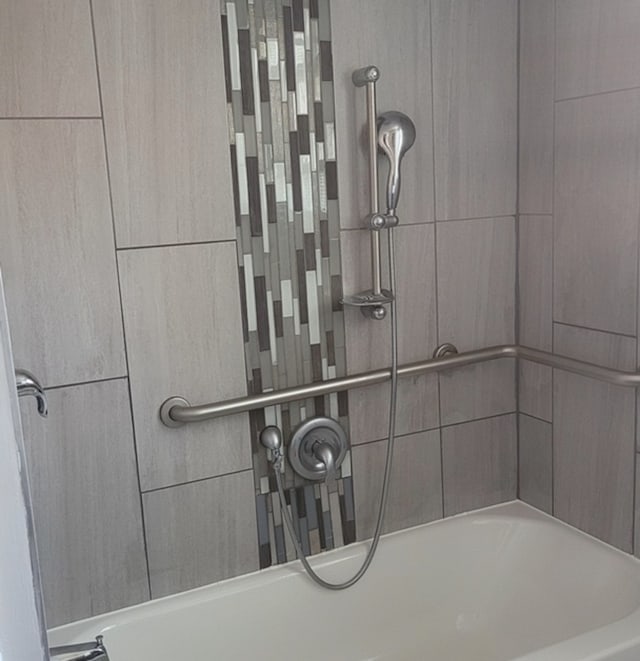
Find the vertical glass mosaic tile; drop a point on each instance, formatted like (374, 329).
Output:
(279, 87)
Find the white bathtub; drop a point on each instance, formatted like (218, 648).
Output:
(506, 582)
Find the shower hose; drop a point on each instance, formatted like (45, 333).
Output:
(277, 461)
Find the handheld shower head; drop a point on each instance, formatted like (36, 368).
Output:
(396, 135)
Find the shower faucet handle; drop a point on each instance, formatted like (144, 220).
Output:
(28, 386)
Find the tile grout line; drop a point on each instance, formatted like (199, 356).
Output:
(117, 274)
(175, 245)
(592, 329)
(88, 382)
(49, 119)
(197, 481)
(588, 96)
(553, 254)
(435, 252)
(517, 302)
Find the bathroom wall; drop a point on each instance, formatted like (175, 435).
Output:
(122, 235)
(579, 205)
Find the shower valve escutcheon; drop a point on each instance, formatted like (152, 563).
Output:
(317, 449)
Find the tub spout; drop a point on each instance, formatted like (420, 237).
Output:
(93, 651)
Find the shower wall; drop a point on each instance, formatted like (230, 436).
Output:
(579, 206)
(123, 230)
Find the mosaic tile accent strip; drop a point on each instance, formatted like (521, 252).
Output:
(280, 100)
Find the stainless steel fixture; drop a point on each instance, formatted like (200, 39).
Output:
(93, 651)
(396, 135)
(28, 386)
(318, 448)
(372, 302)
(178, 414)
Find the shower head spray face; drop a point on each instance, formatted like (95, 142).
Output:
(396, 135)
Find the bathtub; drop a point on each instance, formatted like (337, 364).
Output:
(505, 582)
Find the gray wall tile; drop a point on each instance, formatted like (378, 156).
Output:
(417, 408)
(368, 343)
(535, 390)
(47, 64)
(415, 489)
(475, 107)
(162, 82)
(201, 532)
(597, 46)
(593, 439)
(476, 293)
(636, 541)
(479, 463)
(477, 391)
(535, 271)
(476, 304)
(184, 337)
(597, 160)
(86, 502)
(536, 94)
(390, 40)
(594, 346)
(535, 457)
(57, 251)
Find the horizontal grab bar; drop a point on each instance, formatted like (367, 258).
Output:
(176, 411)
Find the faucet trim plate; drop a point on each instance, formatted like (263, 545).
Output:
(313, 444)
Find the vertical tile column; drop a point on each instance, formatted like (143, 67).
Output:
(58, 258)
(279, 90)
(578, 257)
(535, 247)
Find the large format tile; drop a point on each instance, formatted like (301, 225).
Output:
(478, 391)
(593, 439)
(597, 46)
(390, 40)
(476, 306)
(535, 456)
(57, 251)
(200, 533)
(162, 79)
(84, 486)
(535, 395)
(415, 489)
(479, 463)
(636, 541)
(535, 271)
(417, 408)
(475, 107)
(616, 351)
(536, 94)
(184, 337)
(368, 341)
(597, 202)
(476, 292)
(47, 63)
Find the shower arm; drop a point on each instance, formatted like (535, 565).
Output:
(177, 411)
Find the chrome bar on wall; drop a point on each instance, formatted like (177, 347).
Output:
(367, 77)
(176, 411)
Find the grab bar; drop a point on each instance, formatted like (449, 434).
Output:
(177, 411)
(93, 651)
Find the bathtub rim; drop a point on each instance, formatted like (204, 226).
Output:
(617, 636)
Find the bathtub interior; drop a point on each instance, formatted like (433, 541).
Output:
(490, 585)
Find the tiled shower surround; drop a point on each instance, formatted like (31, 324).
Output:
(170, 226)
(279, 90)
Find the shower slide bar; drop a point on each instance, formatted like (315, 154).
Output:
(177, 411)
